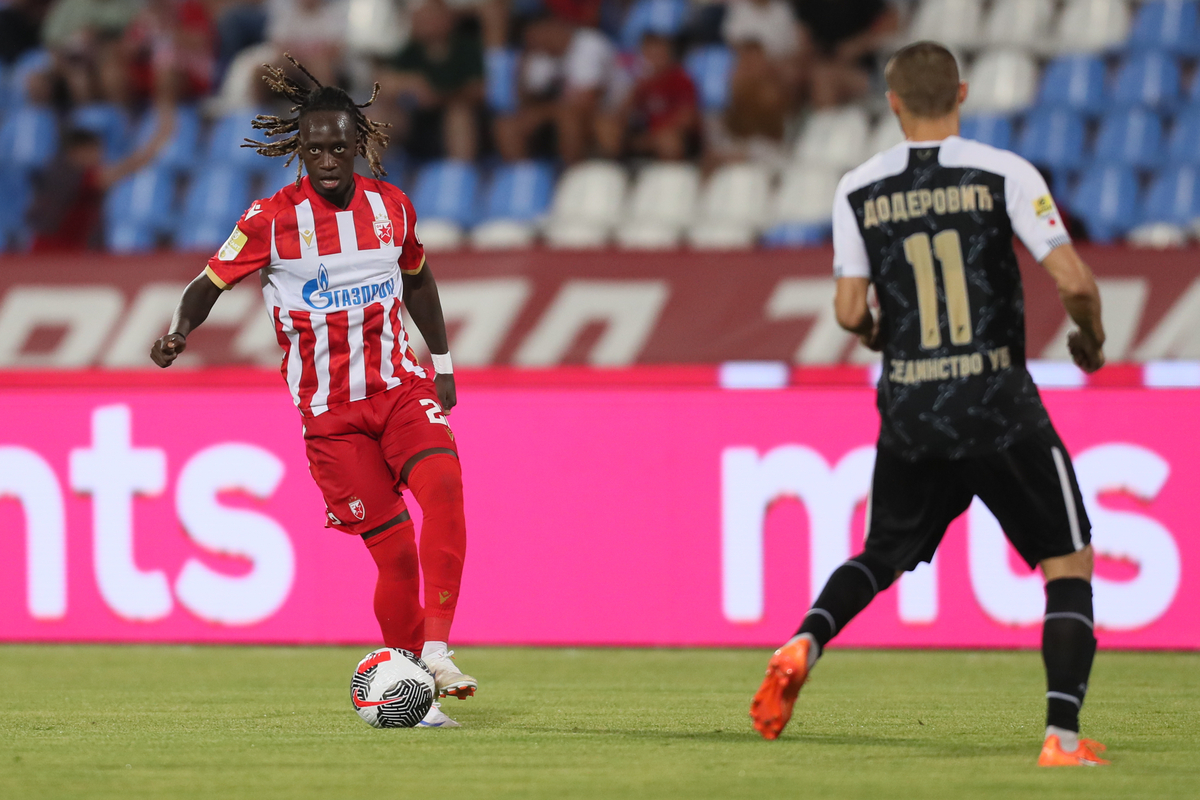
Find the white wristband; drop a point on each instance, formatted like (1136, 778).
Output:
(442, 364)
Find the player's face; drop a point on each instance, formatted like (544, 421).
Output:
(327, 150)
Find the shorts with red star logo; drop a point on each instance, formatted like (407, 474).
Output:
(357, 452)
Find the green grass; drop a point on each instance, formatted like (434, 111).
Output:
(233, 722)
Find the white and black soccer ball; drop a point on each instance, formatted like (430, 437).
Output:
(392, 689)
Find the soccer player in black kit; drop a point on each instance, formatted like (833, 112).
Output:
(930, 224)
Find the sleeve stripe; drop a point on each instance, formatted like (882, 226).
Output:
(416, 271)
(212, 276)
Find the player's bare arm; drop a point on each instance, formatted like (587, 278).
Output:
(1080, 296)
(425, 307)
(854, 313)
(198, 299)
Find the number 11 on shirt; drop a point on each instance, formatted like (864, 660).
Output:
(948, 247)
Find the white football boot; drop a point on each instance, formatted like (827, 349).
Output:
(436, 718)
(449, 678)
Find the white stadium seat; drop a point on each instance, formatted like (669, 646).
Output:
(834, 138)
(439, 234)
(1090, 26)
(503, 234)
(1001, 81)
(1020, 23)
(887, 134)
(661, 205)
(805, 196)
(954, 23)
(587, 205)
(733, 208)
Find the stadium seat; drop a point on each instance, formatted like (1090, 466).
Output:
(143, 200)
(1074, 82)
(887, 134)
(587, 205)
(215, 199)
(802, 210)
(226, 139)
(1133, 138)
(1001, 81)
(710, 68)
(733, 207)
(660, 206)
(1169, 25)
(15, 194)
(28, 138)
(180, 152)
(1106, 201)
(516, 200)
(993, 129)
(653, 16)
(122, 236)
(439, 234)
(1092, 26)
(1174, 197)
(29, 63)
(834, 138)
(954, 23)
(1023, 24)
(1148, 79)
(445, 198)
(1184, 146)
(1053, 138)
(109, 122)
(501, 65)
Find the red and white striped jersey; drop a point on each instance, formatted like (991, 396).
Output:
(332, 283)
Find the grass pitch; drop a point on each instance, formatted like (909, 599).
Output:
(243, 722)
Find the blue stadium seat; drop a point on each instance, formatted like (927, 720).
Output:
(180, 153)
(520, 191)
(143, 200)
(28, 138)
(1174, 197)
(1184, 147)
(1194, 94)
(1133, 138)
(128, 237)
(275, 176)
(993, 129)
(1169, 25)
(500, 86)
(215, 199)
(15, 194)
(447, 190)
(109, 122)
(29, 63)
(797, 234)
(711, 67)
(653, 16)
(226, 140)
(1148, 79)
(1075, 82)
(1053, 138)
(1106, 201)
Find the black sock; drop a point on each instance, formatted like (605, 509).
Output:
(1068, 647)
(848, 591)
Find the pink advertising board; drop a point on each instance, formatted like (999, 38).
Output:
(686, 515)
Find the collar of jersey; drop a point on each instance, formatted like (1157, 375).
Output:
(932, 143)
(311, 193)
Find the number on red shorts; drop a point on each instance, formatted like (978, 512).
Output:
(434, 411)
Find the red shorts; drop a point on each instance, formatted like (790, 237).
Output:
(356, 452)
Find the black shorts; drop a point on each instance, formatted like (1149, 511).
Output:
(1030, 487)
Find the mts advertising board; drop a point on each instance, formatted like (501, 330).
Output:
(691, 515)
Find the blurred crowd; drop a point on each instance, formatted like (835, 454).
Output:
(460, 79)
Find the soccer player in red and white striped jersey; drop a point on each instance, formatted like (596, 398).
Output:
(337, 256)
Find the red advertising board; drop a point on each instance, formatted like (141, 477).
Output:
(542, 308)
(154, 509)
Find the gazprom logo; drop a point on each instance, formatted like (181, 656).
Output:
(318, 295)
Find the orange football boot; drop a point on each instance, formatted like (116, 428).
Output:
(1086, 755)
(772, 705)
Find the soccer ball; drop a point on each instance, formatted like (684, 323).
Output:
(392, 689)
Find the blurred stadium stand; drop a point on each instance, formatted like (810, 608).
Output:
(1104, 95)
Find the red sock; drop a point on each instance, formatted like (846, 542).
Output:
(436, 483)
(398, 589)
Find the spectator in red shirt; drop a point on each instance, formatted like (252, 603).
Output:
(660, 118)
(172, 42)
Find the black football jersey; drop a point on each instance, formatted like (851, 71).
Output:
(931, 224)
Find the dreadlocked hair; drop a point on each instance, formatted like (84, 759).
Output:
(369, 135)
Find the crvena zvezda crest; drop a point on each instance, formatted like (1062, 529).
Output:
(383, 229)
